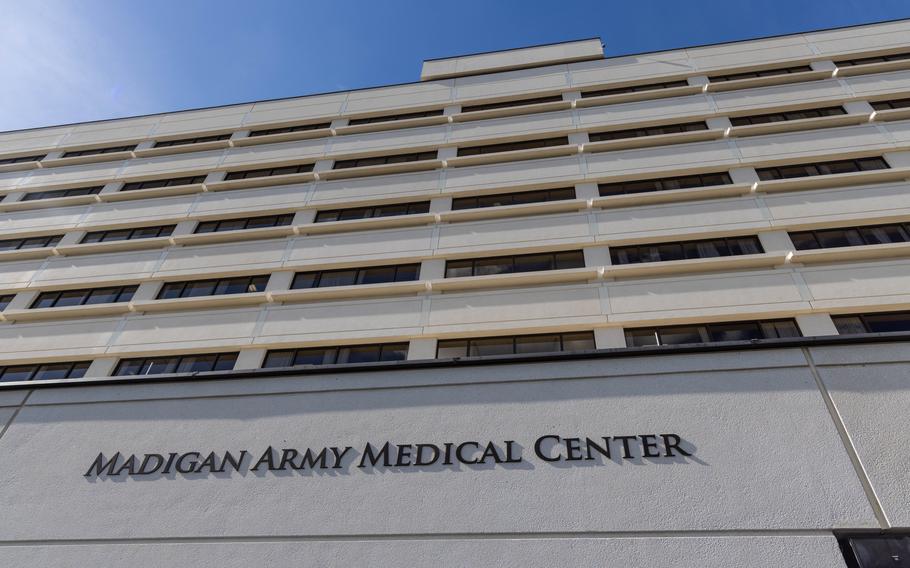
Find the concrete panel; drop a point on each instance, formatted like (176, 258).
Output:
(112, 130)
(515, 173)
(511, 126)
(340, 321)
(187, 331)
(899, 131)
(251, 200)
(392, 141)
(84, 174)
(779, 95)
(138, 210)
(647, 67)
(38, 139)
(401, 186)
(749, 52)
(302, 108)
(299, 150)
(868, 201)
(56, 219)
(860, 280)
(264, 255)
(484, 236)
(523, 81)
(865, 38)
(652, 160)
(351, 247)
(680, 219)
(172, 163)
(98, 267)
(509, 59)
(879, 83)
(435, 93)
(202, 120)
(593, 117)
(827, 140)
(16, 274)
(77, 339)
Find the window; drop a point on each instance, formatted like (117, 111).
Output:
(518, 198)
(44, 371)
(36, 195)
(650, 131)
(851, 236)
(507, 104)
(286, 129)
(885, 105)
(516, 263)
(356, 276)
(785, 116)
(84, 297)
(872, 323)
(821, 169)
(664, 184)
(394, 117)
(875, 59)
(635, 89)
(176, 364)
(97, 151)
(243, 223)
(128, 234)
(712, 332)
(383, 160)
(876, 550)
(5, 300)
(213, 287)
(513, 146)
(708, 248)
(391, 210)
(763, 73)
(186, 141)
(21, 159)
(30, 242)
(266, 172)
(336, 355)
(515, 345)
(152, 183)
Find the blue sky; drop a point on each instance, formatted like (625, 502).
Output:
(67, 61)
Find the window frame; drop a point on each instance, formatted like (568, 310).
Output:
(533, 144)
(60, 193)
(184, 285)
(125, 292)
(162, 229)
(774, 173)
(406, 158)
(728, 243)
(332, 354)
(514, 259)
(372, 209)
(148, 362)
(702, 179)
(469, 341)
(646, 131)
(318, 275)
(278, 222)
(256, 173)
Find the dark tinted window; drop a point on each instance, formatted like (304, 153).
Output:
(763, 73)
(354, 276)
(128, 234)
(30, 242)
(515, 345)
(513, 146)
(244, 223)
(519, 198)
(45, 371)
(785, 116)
(635, 89)
(390, 210)
(514, 263)
(86, 296)
(196, 140)
(872, 323)
(874, 59)
(681, 250)
(213, 287)
(21, 159)
(36, 195)
(649, 131)
(383, 160)
(176, 364)
(286, 129)
(5, 300)
(394, 117)
(709, 333)
(876, 551)
(266, 172)
(664, 184)
(336, 355)
(152, 183)
(893, 104)
(96, 151)
(822, 168)
(507, 104)
(851, 236)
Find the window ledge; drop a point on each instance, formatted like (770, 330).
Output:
(238, 235)
(24, 254)
(870, 68)
(94, 158)
(200, 302)
(341, 292)
(858, 253)
(282, 137)
(392, 125)
(152, 192)
(521, 210)
(891, 114)
(720, 263)
(638, 96)
(39, 314)
(182, 149)
(657, 140)
(113, 246)
(769, 81)
(21, 166)
(390, 222)
(515, 279)
(801, 124)
(511, 111)
(383, 169)
(514, 156)
(48, 203)
(669, 196)
(833, 180)
(263, 181)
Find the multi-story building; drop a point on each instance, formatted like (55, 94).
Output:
(540, 308)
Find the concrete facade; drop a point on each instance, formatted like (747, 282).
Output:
(791, 446)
